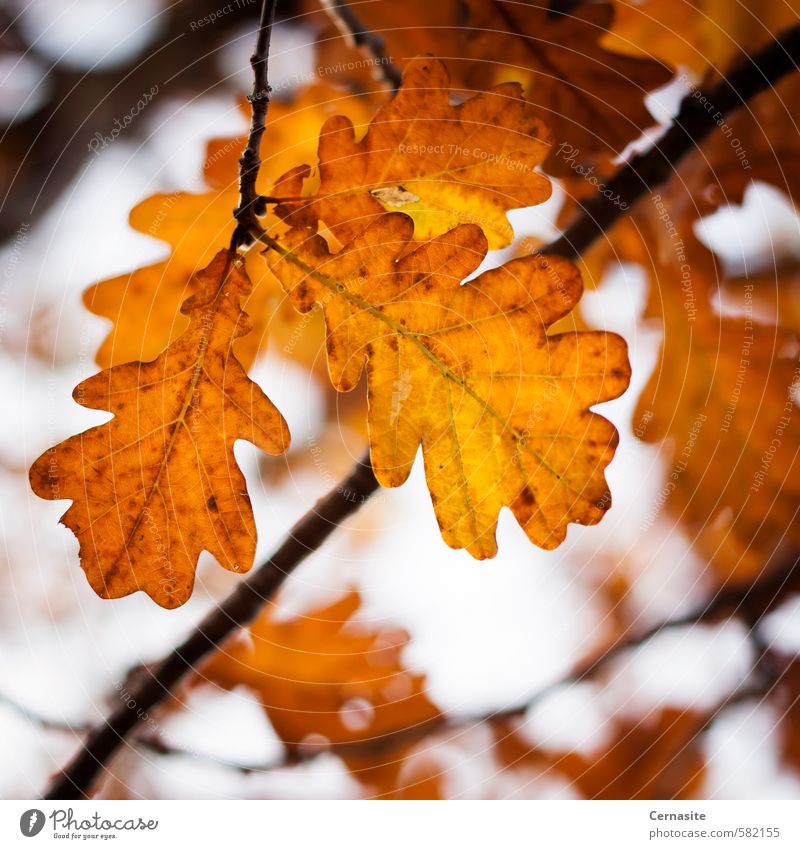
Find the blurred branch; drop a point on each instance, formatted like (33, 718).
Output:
(750, 603)
(693, 123)
(42, 721)
(239, 608)
(351, 27)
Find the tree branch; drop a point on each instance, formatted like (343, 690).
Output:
(239, 608)
(693, 123)
(352, 28)
(751, 602)
(250, 204)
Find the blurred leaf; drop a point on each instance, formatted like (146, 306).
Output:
(325, 678)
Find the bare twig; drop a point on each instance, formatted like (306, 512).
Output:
(43, 721)
(372, 43)
(250, 204)
(236, 610)
(693, 123)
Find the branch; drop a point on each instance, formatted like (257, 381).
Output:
(693, 123)
(250, 204)
(351, 27)
(239, 608)
(44, 722)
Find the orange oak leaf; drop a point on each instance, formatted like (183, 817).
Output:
(158, 484)
(590, 97)
(143, 305)
(324, 676)
(501, 409)
(441, 164)
(724, 397)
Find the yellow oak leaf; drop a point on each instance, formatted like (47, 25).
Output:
(500, 408)
(441, 164)
(158, 484)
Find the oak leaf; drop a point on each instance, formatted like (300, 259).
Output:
(441, 164)
(590, 97)
(158, 484)
(143, 305)
(325, 676)
(724, 398)
(706, 36)
(500, 408)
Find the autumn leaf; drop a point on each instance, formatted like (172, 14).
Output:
(723, 398)
(500, 408)
(325, 676)
(656, 756)
(158, 484)
(704, 36)
(590, 97)
(441, 164)
(143, 305)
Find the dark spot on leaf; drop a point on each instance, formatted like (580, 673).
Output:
(526, 497)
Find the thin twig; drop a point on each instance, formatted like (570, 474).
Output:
(372, 43)
(239, 608)
(250, 204)
(43, 721)
(693, 123)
